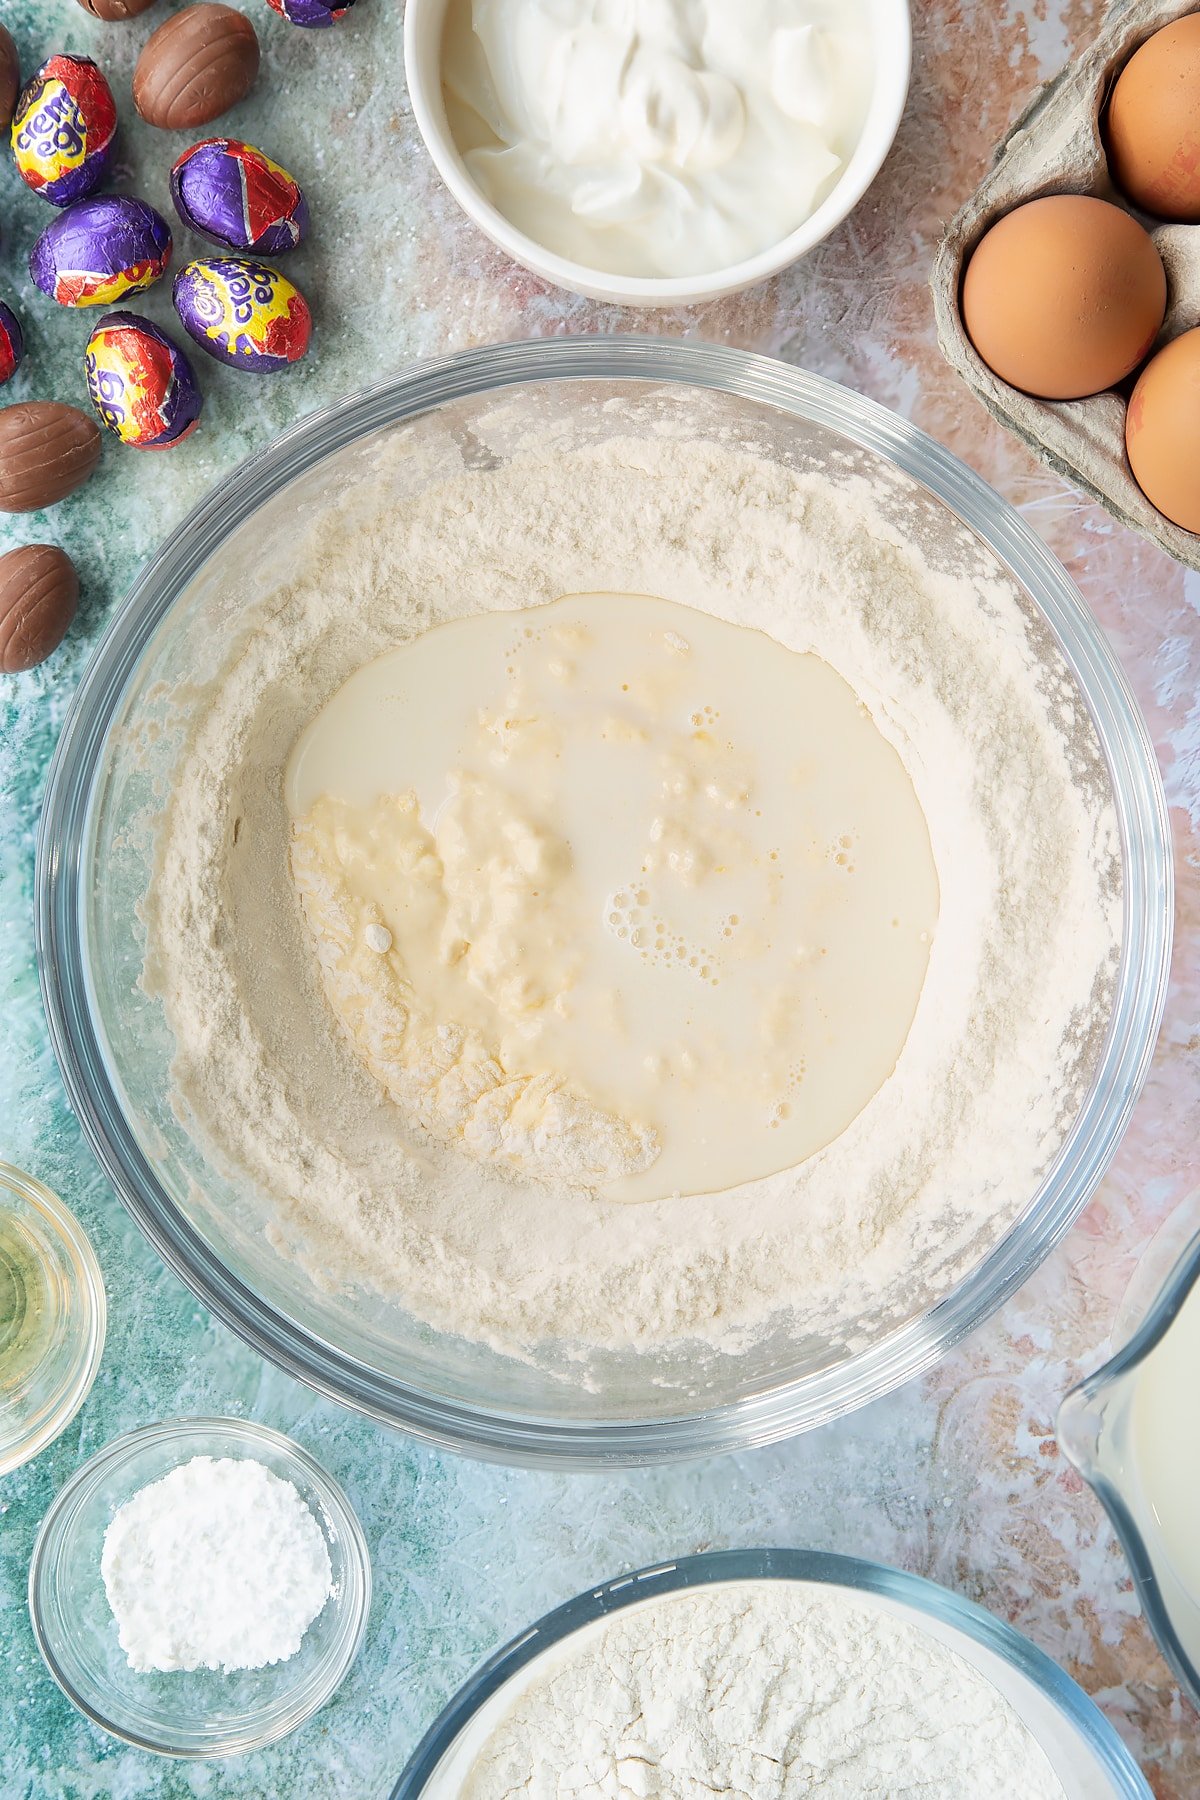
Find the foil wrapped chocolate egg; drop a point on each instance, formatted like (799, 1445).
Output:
(12, 343)
(101, 250)
(311, 12)
(141, 383)
(64, 129)
(245, 314)
(230, 192)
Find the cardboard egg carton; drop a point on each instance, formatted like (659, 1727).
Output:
(1056, 147)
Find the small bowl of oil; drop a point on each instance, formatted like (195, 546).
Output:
(1129, 1429)
(52, 1316)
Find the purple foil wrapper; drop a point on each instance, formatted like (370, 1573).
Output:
(232, 193)
(63, 130)
(311, 12)
(101, 250)
(12, 343)
(245, 314)
(141, 383)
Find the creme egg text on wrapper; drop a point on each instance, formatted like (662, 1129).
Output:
(63, 130)
(141, 383)
(100, 250)
(230, 192)
(245, 314)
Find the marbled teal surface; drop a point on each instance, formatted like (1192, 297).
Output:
(957, 1477)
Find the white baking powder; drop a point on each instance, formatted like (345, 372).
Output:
(219, 1565)
(760, 1691)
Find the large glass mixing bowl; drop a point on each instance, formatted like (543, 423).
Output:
(94, 865)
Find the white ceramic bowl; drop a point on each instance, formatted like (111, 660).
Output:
(890, 29)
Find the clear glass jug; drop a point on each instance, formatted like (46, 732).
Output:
(1133, 1428)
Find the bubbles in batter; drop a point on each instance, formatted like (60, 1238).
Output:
(615, 892)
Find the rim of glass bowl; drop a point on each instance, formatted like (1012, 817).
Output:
(87, 1295)
(355, 1603)
(824, 1567)
(788, 1407)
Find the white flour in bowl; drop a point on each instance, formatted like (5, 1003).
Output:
(774, 1690)
(959, 677)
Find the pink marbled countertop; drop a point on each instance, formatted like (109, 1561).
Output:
(957, 1476)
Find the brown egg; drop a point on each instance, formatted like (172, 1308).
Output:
(39, 591)
(1162, 431)
(1064, 296)
(1153, 125)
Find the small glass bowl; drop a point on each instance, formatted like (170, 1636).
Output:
(52, 1317)
(201, 1712)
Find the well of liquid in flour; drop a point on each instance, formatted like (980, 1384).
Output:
(615, 883)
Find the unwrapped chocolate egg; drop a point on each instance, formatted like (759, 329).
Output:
(311, 12)
(198, 64)
(39, 592)
(141, 383)
(1162, 431)
(10, 77)
(100, 250)
(232, 193)
(245, 314)
(116, 10)
(47, 450)
(64, 129)
(1153, 126)
(12, 343)
(1064, 296)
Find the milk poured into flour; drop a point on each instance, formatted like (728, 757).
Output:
(615, 891)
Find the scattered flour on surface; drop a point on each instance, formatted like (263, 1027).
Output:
(759, 1691)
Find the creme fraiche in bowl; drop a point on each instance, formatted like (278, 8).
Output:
(657, 154)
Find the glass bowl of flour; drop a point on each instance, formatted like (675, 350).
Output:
(772, 1671)
(280, 1101)
(200, 1673)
